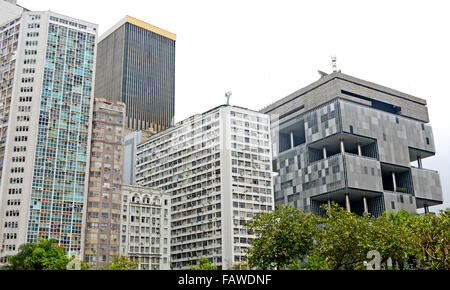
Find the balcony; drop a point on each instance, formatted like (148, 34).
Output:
(427, 187)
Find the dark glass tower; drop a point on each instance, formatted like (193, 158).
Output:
(136, 65)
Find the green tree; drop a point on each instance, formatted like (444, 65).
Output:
(400, 217)
(343, 238)
(389, 235)
(121, 263)
(203, 264)
(240, 266)
(283, 237)
(431, 235)
(43, 255)
(315, 262)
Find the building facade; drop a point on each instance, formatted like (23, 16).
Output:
(9, 10)
(129, 157)
(145, 227)
(217, 168)
(47, 96)
(356, 143)
(105, 183)
(136, 65)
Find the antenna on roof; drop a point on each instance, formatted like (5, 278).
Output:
(334, 63)
(228, 95)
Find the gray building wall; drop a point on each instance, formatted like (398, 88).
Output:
(129, 157)
(333, 85)
(393, 138)
(389, 126)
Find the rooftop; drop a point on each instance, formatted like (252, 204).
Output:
(338, 75)
(139, 23)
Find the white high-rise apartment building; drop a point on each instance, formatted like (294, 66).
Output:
(217, 168)
(47, 64)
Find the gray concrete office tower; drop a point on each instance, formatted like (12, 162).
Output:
(136, 65)
(353, 142)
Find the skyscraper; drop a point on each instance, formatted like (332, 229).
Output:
(136, 65)
(105, 183)
(217, 168)
(355, 143)
(47, 94)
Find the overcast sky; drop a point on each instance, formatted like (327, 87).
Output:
(265, 50)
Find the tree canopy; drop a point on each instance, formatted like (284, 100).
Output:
(340, 240)
(203, 264)
(43, 255)
(121, 263)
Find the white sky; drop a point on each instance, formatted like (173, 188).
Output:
(265, 50)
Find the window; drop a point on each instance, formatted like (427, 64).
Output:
(29, 61)
(31, 43)
(26, 89)
(30, 52)
(34, 25)
(32, 34)
(392, 205)
(428, 141)
(25, 99)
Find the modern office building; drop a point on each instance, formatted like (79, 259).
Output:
(105, 183)
(355, 143)
(47, 65)
(136, 65)
(145, 227)
(9, 10)
(217, 168)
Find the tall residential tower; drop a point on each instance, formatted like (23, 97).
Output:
(217, 168)
(136, 65)
(47, 68)
(105, 183)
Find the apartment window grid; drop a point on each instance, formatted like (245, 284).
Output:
(193, 152)
(145, 229)
(56, 208)
(196, 202)
(104, 184)
(9, 36)
(251, 175)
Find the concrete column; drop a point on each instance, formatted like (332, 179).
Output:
(426, 208)
(394, 181)
(292, 139)
(347, 203)
(342, 146)
(329, 203)
(359, 150)
(324, 152)
(366, 208)
(419, 161)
